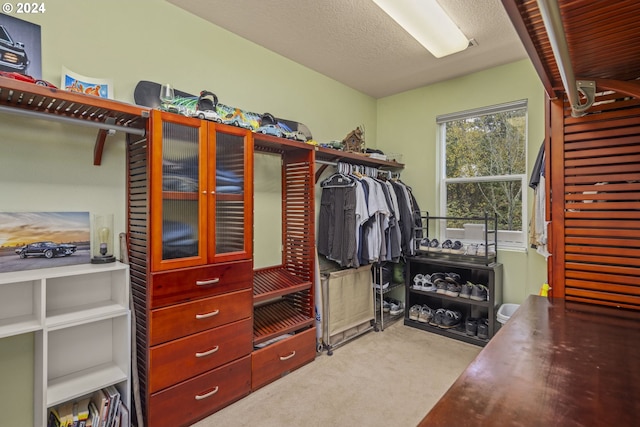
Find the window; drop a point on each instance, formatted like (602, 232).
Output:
(484, 158)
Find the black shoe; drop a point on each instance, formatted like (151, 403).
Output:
(479, 293)
(483, 329)
(451, 319)
(471, 326)
(465, 291)
(436, 320)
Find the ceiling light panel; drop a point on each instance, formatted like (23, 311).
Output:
(428, 23)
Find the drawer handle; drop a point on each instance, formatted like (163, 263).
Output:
(206, 315)
(204, 396)
(208, 352)
(283, 358)
(207, 282)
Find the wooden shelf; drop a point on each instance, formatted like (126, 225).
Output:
(331, 155)
(270, 143)
(275, 282)
(273, 320)
(28, 99)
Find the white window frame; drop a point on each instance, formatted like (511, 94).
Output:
(506, 239)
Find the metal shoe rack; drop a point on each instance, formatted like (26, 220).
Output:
(479, 269)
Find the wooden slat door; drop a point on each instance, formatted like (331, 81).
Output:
(595, 206)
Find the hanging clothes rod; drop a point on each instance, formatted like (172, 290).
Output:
(324, 162)
(552, 19)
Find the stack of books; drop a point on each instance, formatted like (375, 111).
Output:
(103, 408)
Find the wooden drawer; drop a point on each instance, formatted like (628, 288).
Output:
(192, 400)
(188, 284)
(180, 320)
(275, 360)
(184, 358)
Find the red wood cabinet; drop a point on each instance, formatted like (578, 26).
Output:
(190, 229)
(201, 192)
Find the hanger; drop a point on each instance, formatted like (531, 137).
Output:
(340, 178)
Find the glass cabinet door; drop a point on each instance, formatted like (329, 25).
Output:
(233, 195)
(178, 207)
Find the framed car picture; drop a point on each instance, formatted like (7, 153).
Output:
(20, 46)
(32, 240)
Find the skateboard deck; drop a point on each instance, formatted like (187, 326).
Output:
(147, 94)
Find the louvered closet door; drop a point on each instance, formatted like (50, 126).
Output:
(597, 242)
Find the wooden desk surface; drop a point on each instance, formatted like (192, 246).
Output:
(552, 364)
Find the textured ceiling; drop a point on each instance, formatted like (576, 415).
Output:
(357, 44)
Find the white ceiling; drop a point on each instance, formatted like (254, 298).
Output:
(356, 43)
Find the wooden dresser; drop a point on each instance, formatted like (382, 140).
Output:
(190, 249)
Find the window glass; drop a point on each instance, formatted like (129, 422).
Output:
(484, 168)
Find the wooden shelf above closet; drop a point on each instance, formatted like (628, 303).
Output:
(31, 100)
(269, 143)
(331, 155)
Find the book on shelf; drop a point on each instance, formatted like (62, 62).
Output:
(114, 403)
(53, 420)
(124, 416)
(81, 412)
(101, 401)
(94, 415)
(65, 413)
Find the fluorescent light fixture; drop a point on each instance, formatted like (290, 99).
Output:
(428, 24)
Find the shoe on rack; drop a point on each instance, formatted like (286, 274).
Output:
(450, 319)
(457, 247)
(471, 326)
(436, 320)
(483, 329)
(466, 290)
(438, 275)
(434, 246)
(453, 289)
(417, 282)
(386, 305)
(441, 286)
(427, 284)
(414, 312)
(479, 293)
(424, 244)
(446, 246)
(472, 249)
(487, 250)
(425, 315)
(452, 277)
(384, 286)
(396, 307)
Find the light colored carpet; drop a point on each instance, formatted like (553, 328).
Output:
(387, 378)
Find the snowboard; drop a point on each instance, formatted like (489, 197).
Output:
(147, 94)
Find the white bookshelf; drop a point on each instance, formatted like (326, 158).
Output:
(81, 322)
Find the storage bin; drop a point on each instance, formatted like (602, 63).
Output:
(505, 312)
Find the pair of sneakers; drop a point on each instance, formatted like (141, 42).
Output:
(448, 284)
(452, 247)
(421, 313)
(392, 306)
(446, 319)
(477, 327)
(429, 245)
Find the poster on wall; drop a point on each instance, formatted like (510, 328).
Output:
(20, 47)
(32, 240)
(75, 82)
